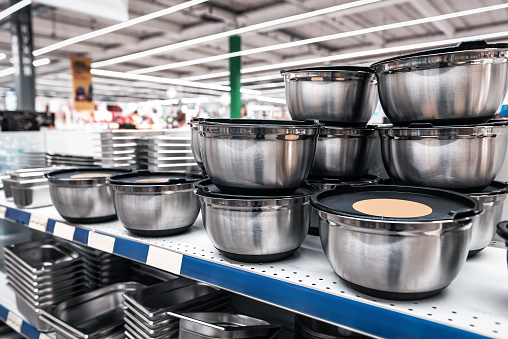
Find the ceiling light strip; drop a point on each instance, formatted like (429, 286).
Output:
(237, 31)
(14, 8)
(117, 27)
(12, 70)
(358, 32)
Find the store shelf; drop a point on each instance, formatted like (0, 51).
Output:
(9, 310)
(473, 306)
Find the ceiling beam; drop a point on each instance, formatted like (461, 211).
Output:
(427, 9)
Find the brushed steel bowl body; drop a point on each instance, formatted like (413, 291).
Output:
(344, 152)
(444, 157)
(347, 96)
(466, 86)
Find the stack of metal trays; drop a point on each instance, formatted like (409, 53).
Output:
(146, 310)
(102, 268)
(149, 275)
(55, 159)
(43, 273)
(171, 153)
(126, 148)
(94, 315)
(32, 159)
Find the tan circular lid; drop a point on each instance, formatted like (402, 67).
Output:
(392, 208)
(89, 175)
(153, 180)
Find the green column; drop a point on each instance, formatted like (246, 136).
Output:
(235, 65)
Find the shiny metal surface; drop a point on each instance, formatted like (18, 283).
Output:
(31, 314)
(258, 156)
(196, 148)
(344, 96)
(484, 225)
(397, 257)
(6, 182)
(256, 228)
(207, 325)
(92, 315)
(344, 152)
(460, 85)
(156, 208)
(444, 157)
(31, 193)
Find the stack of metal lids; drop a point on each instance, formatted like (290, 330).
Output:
(56, 159)
(126, 148)
(102, 268)
(43, 273)
(309, 328)
(146, 309)
(171, 153)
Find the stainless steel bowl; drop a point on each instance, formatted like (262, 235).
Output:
(466, 83)
(340, 94)
(156, 203)
(344, 152)
(396, 258)
(454, 157)
(196, 148)
(255, 228)
(484, 226)
(83, 200)
(258, 155)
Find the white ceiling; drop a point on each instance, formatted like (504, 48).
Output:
(53, 25)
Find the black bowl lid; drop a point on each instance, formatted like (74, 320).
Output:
(166, 178)
(208, 189)
(495, 188)
(262, 122)
(315, 179)
(445, 205)
(416, 125)
(461, 47)
(67, 173)
(329, 69)
(502, 230)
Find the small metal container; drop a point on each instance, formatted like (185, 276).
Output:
(465, 84)
(156, 204)
(255, 228)
(6, 182)
(283, 152)
(336, 94)
(466, 158)
(31, 314)
(31, 193)
(81, 195)
(95, 314)
(344, 152)
(422, 252)
(222, 325)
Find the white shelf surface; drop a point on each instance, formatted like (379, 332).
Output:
(8, 305)
(475, 305)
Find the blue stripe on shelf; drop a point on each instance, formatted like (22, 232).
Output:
(3, 313)
(30, 331)
(18, 216)
(50, 228)
(371, 319)
(131, 249)
(81, 235)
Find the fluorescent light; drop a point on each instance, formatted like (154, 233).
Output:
(226, 34)
(12, 70)
(320, 39)
(3, 56)
(250, 91)
(116, 27)
(269, 99)
(41, 62)
(14, 8)
(206, 76)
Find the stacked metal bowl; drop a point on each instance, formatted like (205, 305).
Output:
(255, 206)
(146, 310)
(126, 148)
(43, 273)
